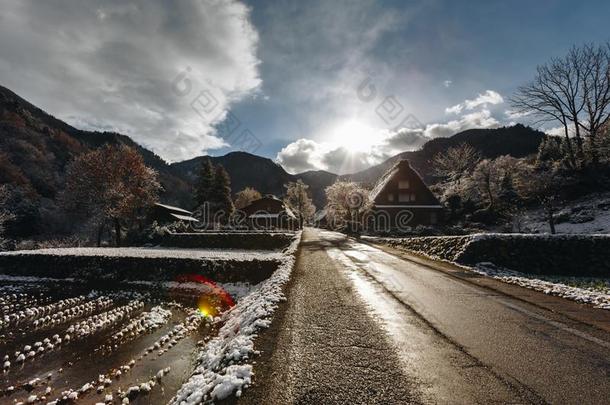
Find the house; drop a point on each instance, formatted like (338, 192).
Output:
(401, 200)
(269, 212)
(165, 214)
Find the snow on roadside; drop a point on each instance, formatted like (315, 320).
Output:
(223, 362)
(598, 297)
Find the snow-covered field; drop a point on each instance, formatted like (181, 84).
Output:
(587, 215)
(142, 252)
(593, 291)
(66, 340)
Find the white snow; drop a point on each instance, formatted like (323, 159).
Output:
(223, 367)
(590, 214)
(558, 286)
(142, 252)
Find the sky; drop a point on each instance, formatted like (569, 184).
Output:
(331, 85)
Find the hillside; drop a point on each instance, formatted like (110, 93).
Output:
(517, 141)
(245, 170)
(35, 148)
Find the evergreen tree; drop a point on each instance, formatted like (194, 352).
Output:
(220, 201)
(205, 182)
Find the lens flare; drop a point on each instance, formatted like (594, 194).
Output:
(213, 300)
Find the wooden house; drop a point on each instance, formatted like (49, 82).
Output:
(401, 200)
(269, 212)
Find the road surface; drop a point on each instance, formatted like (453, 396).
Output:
(364, 326)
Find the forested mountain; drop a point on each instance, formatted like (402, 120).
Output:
(35, 149)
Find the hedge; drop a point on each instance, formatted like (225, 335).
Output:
(566, 255)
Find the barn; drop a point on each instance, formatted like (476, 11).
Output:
(401, 200)
(269, 212)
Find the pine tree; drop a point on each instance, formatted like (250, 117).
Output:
(221, 201)
(205, 182)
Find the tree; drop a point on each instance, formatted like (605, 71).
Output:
(111, 184)
(573, 91)
(347, 202)
(456, 162)
(205, 182)
(5, 213)
(596, 94)
(542, 184)
(494, 178)
(244, 197)
(299, 201)
(221, 204)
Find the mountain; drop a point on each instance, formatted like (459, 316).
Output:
(36, 147)
(517, 141)
(318, 180)
(245, 169)
(248, 170)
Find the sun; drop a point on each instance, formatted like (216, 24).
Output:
(355, 136)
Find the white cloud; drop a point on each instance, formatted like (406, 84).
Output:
(482, 100)
(513, 115)
(110, 65)
(307, 154)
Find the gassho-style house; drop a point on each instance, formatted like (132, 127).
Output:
(401, 200)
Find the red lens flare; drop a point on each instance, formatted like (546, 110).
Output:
(213, 300)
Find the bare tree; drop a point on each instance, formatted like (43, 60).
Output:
(542, 184)
(244, 197)
(573, 91)
(347, 203)
(495, 179)
(456, 162)
(595, 94)
(552, 97)
(299, 201)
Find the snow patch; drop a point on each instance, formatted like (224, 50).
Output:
(558, 286)
(223, 367)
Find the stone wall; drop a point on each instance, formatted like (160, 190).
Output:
(568, 255)
(114, 268)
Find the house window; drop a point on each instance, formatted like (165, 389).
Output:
(403, 184)
(390, 197)
(406, 197)
(433, 218)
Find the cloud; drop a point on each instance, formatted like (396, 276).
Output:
(111, 65)
(483, 100)
(306, 154)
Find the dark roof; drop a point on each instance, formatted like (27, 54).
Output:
(401, 165)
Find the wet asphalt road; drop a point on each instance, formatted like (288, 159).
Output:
(364, 326)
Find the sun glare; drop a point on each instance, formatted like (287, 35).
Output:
(355, 136)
